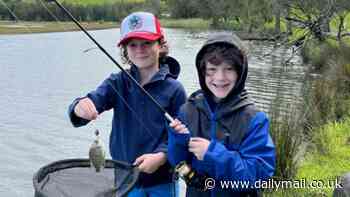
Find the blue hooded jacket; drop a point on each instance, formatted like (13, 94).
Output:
(240, 146)
(138, 125)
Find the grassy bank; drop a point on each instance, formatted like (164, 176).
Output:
(328, 118)
(326, 158)
(194, 23)
(8, 27)
(330, 159)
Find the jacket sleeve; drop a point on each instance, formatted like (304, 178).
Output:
(75, 120)
(254, 159)
(101, 97)
(178, 99)
(178, 145)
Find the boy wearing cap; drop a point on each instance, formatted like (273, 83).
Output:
(138, 131)
(224, 136)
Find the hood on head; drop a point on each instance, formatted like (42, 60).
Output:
(173, 65)
(231, 40)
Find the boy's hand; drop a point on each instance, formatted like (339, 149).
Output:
(178, 126)
(149, 163)
(198, 146)
(86, 109)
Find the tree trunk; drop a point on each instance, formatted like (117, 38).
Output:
(215, 21)
(278, 22)
(277, 12)
(340, 27)
(325, 27)
(289, 23)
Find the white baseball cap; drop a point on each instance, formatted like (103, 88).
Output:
(142, 25)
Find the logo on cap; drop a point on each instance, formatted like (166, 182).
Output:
(135, 22)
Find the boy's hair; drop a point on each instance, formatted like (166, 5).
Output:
(124, 52)
(220, 52)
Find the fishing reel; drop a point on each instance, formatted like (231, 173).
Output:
(191, 177)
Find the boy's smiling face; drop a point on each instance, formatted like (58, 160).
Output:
(220, 79)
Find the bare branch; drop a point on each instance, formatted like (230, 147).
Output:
(336, 36)
(345, 34)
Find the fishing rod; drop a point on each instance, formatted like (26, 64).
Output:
(166, 114)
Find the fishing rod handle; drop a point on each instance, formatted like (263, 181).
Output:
(168, 117)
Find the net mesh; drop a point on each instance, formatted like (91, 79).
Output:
(75, 177)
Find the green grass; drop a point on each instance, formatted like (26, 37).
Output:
(322, 166)
(330, 159)
(7, 27)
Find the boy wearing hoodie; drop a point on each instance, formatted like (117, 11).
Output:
(220, 134)
(138, 134)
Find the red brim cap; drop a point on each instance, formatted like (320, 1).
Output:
(140, 35)
(140, 25)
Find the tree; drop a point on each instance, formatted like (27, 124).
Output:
(220, 11)
(314, 16)
(153, 6)
(254, 13)
(183, 8)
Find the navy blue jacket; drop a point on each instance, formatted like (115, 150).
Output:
(138, 125)
(240, 148)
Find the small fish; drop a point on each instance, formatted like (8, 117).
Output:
(97, 153)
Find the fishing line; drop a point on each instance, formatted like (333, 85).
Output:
(166, 114)
(60, 23)
(135, 114)
(116, 91)
(110, 83)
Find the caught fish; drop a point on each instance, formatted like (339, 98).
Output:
(97, 153)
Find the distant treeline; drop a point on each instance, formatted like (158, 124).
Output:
(270, 16)
(219, 12)
(39, 10)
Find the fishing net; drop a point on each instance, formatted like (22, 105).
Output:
(75, 178)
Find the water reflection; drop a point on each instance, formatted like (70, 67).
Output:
(270, 79)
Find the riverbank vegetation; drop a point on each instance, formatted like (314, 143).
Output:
(313, 140)
(328, 116)
(329, 158)
(9, 27)
(311, 147)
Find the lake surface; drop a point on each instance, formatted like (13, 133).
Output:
(40, 75)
